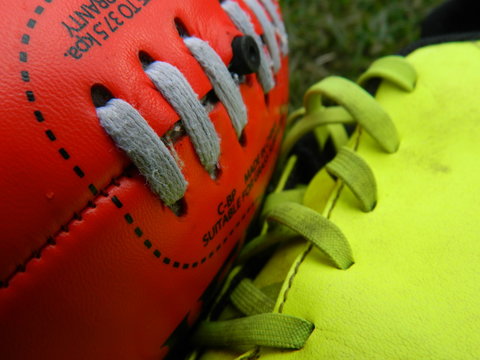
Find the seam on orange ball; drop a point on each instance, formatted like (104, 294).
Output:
(76, 217)
(137, 232)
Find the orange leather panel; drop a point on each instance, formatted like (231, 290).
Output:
(92, 264)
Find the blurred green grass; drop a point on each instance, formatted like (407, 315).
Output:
(343, 37)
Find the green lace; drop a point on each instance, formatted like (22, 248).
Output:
(253, 322)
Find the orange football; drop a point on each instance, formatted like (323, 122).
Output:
(138, 137)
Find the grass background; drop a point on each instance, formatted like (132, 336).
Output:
(343, 37)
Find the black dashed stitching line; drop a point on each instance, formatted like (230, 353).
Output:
(25, 76)
(25, 39)
(138, 232)
(39, 116)
(51, 136)
(93, 189)
(117, 202)
(166, 260)
(64, 153)
(23, 56)
(30, 95)
(31, 23)
(78, 171)
(128, 218)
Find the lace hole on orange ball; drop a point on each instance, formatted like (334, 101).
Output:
(181, 28)
(180, 208)
(145, 59)
(100, 95)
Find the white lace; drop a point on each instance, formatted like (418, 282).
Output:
(131, 132)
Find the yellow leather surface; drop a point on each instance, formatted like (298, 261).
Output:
(414, 291)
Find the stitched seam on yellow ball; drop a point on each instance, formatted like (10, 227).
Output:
(307, 251)
(255, 355)
(309, 248)
(304, 255)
